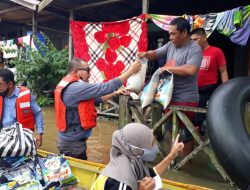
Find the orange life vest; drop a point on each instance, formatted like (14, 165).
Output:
(86, 108)
(24, 113)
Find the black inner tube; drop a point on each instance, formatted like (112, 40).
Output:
(227, 132)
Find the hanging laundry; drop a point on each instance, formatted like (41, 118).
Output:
(242, 33)
(109, 47)
(226, 25)
(206, 21)
(162, 21)
(189, 18)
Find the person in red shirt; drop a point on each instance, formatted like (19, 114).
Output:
(213, 64)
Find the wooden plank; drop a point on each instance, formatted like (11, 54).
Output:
(188, 108)
(217, 165)
(158, 125)
(25, 4)
(43, 4)
(11, 9)
(156, 113)
(191, 155)
(137, 115)
(95, 4)
(175, 127)
(190, 126)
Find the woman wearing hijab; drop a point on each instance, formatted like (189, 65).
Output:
(132, 147)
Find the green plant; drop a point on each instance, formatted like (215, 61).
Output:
(44, 101)
(42, 69)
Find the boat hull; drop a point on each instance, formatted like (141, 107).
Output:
(87, 172)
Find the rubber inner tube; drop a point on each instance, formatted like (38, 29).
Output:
(227, 132)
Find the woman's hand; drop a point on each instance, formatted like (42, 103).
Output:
(147, 183)
(177, 147)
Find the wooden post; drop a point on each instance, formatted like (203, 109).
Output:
(145, 5)
(175, 126)
(125, 115)
(156, 109)
(156, 113)
(34, 22)
(71, 16)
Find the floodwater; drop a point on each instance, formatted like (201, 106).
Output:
(199, 172)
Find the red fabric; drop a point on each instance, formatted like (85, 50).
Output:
(109, 47)
(190, 115)
(213, 58)
(86, 109)
(81, 48)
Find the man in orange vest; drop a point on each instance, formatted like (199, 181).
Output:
(18, 105)
(75, 100)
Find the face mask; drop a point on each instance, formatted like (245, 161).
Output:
(149, 155)
(3, 94)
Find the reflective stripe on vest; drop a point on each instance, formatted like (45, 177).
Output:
(86, 108)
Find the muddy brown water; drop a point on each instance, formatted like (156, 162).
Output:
(199, 171)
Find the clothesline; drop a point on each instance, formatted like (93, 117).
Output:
(233, 23)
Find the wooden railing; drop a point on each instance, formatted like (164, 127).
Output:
(129, 110)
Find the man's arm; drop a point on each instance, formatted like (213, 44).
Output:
(223, 73)
(80, 91)
(114, 94)
(38, 119)
(183, 70)
(155, 54)
(150, 55)
(222, 65)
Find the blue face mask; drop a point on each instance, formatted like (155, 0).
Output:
(149, 155)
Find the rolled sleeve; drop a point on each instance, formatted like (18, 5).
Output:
(38, 116)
